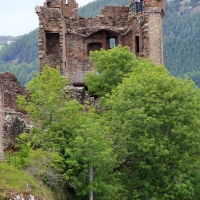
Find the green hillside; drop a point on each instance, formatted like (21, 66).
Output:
(24, 49)
(94, 8)
(21, 57)
(5, 39)
(181, 39)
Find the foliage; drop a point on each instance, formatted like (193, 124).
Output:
(91, 148)
(154, 119)
(145, 146)
(72, 133)
(47, 96)
(21, 57)
(110, 67)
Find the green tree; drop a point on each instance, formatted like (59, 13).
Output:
(110, 67)
(90, 152)
(47, 96)
(75, 133)
(154, 120)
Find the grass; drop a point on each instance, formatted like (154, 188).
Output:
(1, 46)
(16, 180)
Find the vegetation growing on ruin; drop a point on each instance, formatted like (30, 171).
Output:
(142, 144)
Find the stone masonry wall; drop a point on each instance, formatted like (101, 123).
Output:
(11, 88)
(12, 121)
(83, 97)
(14, 124)
(155, 35)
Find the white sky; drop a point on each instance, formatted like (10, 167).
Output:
(18, 17)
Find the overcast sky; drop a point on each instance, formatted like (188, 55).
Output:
(18, 17)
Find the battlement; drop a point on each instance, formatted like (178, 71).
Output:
(65, 38)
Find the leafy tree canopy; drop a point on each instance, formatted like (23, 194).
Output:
(64, 127)
(47, 96)
(110, 67)
(154, 119)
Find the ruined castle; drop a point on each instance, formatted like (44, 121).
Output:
(66, 38)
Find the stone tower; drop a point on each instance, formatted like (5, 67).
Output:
(65, 38)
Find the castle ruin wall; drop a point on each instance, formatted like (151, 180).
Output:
(10, 114)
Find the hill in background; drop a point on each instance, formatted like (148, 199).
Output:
(21, 57)
(6, 39)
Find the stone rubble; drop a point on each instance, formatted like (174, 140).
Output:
(17, 196)
(83, 97)
(13, 127)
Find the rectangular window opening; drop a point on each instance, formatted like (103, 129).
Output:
(65, 2)
(112, 42)
(93, 47)
(52, 43)
(137, 44)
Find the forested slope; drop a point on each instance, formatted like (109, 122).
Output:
(21, 57)
(180, 38)
(94, 8)
(25, 49)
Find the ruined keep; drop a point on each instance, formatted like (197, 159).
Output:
(65, 38)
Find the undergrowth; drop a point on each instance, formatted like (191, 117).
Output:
(16, 180)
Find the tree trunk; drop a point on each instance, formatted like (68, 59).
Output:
(90, 177)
